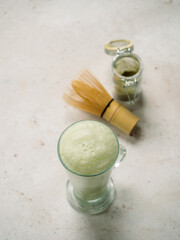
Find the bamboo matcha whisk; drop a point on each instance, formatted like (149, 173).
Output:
(88, 94)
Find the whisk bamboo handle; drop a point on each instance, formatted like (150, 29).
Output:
(120, 117)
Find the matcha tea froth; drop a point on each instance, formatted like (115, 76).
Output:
(88, 147)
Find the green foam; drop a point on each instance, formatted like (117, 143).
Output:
(88, 147)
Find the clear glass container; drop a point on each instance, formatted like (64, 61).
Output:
(91, 193)
(127, 69)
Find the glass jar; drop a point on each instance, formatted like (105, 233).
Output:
(127, 69)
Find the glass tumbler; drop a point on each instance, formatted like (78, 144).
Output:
(91, 193)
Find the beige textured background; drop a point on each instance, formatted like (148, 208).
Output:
(43, 45)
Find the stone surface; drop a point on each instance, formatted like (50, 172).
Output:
(43, 45)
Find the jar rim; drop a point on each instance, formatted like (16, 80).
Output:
(130, 55)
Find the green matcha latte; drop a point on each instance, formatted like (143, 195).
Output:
(88, 148)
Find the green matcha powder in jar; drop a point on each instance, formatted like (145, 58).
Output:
(127, 69)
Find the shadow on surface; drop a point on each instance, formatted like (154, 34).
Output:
(114, 223)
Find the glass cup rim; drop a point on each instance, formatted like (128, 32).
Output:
(83, 175)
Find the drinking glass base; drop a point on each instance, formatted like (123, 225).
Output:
(94, 206)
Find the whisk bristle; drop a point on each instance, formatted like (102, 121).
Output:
(87, 94)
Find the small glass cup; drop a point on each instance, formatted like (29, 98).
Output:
(127, 68)
(91, 193)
